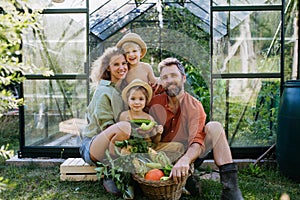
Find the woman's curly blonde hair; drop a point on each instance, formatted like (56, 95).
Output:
(100, 65)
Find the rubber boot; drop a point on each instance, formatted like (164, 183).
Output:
(193, 186)
(229, 180)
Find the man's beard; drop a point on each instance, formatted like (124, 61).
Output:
(174, 91)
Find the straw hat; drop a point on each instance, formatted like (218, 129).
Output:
(137, 82)
(133, 37)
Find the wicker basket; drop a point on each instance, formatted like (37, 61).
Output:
(167, 190)
(160, 189)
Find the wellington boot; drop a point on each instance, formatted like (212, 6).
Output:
(229, 180)
(193, 185)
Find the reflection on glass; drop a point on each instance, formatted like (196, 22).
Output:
(248, 108)
(62, 50)
(54, 111)
(110, 17)
(42, 4)
(252, 44)
(246, 2)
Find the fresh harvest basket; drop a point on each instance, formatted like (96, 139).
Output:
(167, 189)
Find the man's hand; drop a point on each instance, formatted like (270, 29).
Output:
(181, 169)
(182, 166)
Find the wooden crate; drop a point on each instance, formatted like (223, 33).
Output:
(75, 169)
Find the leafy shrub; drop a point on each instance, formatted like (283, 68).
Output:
(5, 153)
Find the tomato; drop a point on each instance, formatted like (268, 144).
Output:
(154, 175)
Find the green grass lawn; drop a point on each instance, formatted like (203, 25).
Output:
(32, 182)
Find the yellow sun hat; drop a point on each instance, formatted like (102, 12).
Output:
(133, 37)
(134, 83)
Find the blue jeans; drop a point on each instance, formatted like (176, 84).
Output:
(84, 150)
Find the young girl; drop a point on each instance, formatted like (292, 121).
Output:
(137, 95)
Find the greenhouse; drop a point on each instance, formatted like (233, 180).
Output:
(215, 114)
(237, 55)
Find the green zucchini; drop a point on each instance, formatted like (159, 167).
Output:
(154, 165)
(164, 178)
(147, 127)
(140, 121)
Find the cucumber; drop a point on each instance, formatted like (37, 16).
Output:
(154, 165)
(164, 178)
(147, 127)
(140, 121)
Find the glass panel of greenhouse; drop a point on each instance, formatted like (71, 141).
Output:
(243, 2)
(57, 4)
(249, 47)
(63, 50)
(48, 103)
(248, 108)
(56, 89)
(246, 74)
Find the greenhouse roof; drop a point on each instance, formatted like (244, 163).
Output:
(106, 17)
(109, 16)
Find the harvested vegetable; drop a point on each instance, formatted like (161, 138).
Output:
(162, 158)
(147, 127)
(164, 178)
(154, 175)
(139, 122)
(144, 124)
(152, 153)
(167, 169)
(140, 167)
(154, 165)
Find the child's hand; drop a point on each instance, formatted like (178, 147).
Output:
(157, 87)
(159, 129)
(143, 132)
